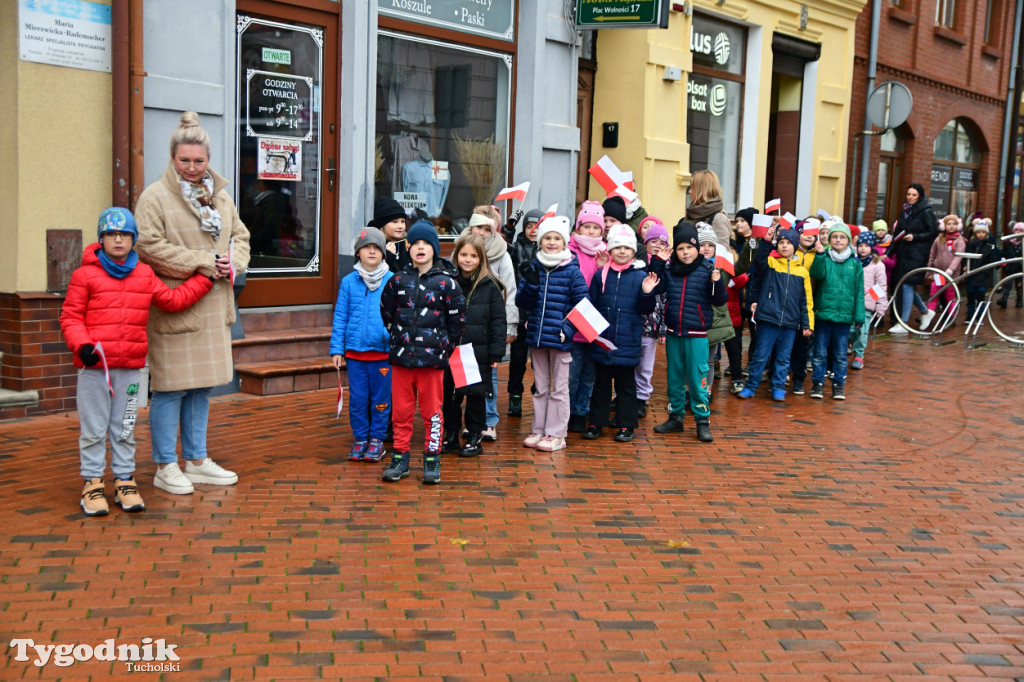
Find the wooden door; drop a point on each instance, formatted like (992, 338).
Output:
(287, 150)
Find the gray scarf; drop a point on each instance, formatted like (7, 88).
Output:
(372, 279)
(840, 257)
(201, 198)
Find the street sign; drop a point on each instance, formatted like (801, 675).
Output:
(889, 105)
(597, 14)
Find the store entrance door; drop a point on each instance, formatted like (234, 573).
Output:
(286, 146)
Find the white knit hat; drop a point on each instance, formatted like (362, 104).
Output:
(621, 235)
(705, 234)
(558, 223)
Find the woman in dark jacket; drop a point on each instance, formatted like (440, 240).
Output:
(918, 227)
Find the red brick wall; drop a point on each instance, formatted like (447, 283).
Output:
(950, 74)
(34, 354)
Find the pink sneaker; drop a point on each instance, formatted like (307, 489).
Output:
(532, 440)
(550, 444)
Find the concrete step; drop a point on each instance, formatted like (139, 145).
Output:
(273, 377)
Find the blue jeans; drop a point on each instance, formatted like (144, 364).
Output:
(168, 409)
(909, 297)
(830, 342)
(369, 398)
(492, 402)
(581, 380)
(771, 337)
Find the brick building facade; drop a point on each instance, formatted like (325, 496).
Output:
(954, 56)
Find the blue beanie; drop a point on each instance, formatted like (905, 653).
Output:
(868, 238)
(424, 230)
(790, 235)
(117, 220)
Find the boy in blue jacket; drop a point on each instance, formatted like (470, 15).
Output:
(693, 288)
(359, 335)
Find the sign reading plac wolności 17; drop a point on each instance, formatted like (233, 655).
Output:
(621, 13)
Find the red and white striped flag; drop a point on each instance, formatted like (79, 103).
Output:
(811, 229)
(341, 401)
(231, 259)
(876, 292)
(605, 343)
(773, 205)
(106, 368)
(627, 194)
(587, 320)
(787, 221)
(550, 213)
(607, 174)
(724, 259)
(465, 370)
(939, 280)
(627, 181)
(760, 225)
(517, 192)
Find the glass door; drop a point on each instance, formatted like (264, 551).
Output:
(286, 152)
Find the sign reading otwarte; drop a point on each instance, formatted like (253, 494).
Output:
(595, 14)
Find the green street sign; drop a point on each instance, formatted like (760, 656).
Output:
(596, 14)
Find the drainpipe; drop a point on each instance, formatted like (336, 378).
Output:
(119, 102)
(136, 76)
(865, 160)
(1011, 106)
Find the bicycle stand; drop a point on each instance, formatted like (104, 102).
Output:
(977, 319)
(946, 317)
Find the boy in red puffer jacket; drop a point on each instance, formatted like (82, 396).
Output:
(104, 321)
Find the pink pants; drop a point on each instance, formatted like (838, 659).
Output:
(948, 296)
(551, 401)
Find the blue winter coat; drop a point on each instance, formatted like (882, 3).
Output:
(690, 299)
(622, 301)
(358, 325)
(426, 315)
(781, 288)
(560, 289)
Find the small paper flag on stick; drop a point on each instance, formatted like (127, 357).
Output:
(876, 292)
(517, 192)
(464, 367)
(724, 259)
(622, 191)
(760, 225)
(341, 401)
(587, 320)
(811, 229)
(607, 174)
(939, 280)
(231, 259)
(106, 368)
(627, 180)
(773, 205)
(550, 213)
(787, 221)
(605, 343)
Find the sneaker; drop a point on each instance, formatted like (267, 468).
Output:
(356, 453)
(818, 390)
(624, 435)
(858, 363)
(170, 479)
(432, 468)
(592, 432)
(490, 434)
(745, 394)
(778, 396)
(375, 451)
(798, 389)
(94, 498)
(838, 392)
(737, 386)
(551, 444)
(126, 494)
(515, 406)
(210, 472)
(641, 409)
(926, 319)
(704, 431)
(532, 440)
(398, 468)
(674, 424)
(898, 329)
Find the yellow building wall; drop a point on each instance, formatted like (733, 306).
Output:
(651, 112)
(55, 130)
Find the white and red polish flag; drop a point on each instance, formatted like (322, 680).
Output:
(760, 225)
(231, 259)
(626, 193)
(627, 181)
(587, 320)
(607, 174)
(811, 229)
(517, 192)
(773, 205)
(605, 343)
(724, 259)
(787, 221)
(550, 213)
(341, 401)
(465, 370)
(939, 280)
(876, 292)
(106, 367)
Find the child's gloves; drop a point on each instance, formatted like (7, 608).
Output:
(532, 276)
(88, 355)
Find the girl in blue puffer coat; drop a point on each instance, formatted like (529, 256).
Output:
(549, 289)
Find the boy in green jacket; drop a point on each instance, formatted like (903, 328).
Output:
(838, 304)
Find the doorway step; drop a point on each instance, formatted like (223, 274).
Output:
(285, 351)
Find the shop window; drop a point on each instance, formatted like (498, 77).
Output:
(442, 127)
(955, 171)
(714, 95)
(945, 13)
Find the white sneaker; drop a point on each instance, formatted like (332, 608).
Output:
(898, 329)
(171, 479)
(210, 472)
(490, 434)
(926, 319)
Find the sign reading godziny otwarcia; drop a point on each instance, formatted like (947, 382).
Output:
(493, 18)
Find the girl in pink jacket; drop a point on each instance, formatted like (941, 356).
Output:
(943, 257)
(875, 299)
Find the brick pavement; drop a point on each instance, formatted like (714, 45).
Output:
(881, 537)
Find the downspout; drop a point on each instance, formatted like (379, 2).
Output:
(865, 160)
(119, 102)
(136, 76)
(1011, 110)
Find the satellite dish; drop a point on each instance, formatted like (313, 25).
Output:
(889, 105)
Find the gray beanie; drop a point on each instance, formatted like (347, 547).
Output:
(367, 236)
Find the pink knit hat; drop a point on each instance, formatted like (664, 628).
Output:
(1018, 227)
(591, 212)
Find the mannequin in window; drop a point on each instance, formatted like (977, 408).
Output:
(418, 176)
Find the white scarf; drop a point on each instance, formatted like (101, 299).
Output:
(839, 257)
(374, 278)
(550, 260)
(201, 198)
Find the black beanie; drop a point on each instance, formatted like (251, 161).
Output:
(747, 214)
(386, 209)
(684, 232)
(615, 207)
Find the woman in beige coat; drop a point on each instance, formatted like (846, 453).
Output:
(188, 223)
(706, 205)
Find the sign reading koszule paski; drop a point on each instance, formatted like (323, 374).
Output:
(491, 18)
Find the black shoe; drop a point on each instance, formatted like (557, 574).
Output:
(398, 468)
(838, 392)
(641, 409)
(798, 388)
(674, 424)
(818, 390)
(592, 432)
(704, 431)
(624, 435)
(1001, 303)
(473, 446)
(450, 442)
(515, 406)
(578, 423)
(432, 468)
